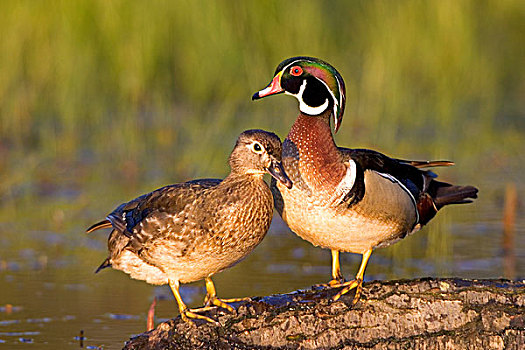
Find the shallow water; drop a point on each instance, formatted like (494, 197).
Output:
(50, 294)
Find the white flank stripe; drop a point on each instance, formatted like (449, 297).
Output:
(394, 180)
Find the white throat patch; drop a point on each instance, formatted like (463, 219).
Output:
(303, 107)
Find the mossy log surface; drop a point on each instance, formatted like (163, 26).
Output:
(420, 314)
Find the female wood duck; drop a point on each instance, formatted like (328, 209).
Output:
(347, 200)
(190, 231)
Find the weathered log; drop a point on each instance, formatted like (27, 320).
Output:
(421, 314)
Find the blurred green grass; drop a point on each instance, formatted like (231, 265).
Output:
(108, 99)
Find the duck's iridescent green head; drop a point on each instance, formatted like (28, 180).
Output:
(316, 84)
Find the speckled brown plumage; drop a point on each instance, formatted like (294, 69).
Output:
(187, 232)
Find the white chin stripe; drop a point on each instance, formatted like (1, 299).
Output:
(312, 110)
(303, 107)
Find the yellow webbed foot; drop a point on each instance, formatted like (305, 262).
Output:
(348, 286)
(211, 298)
(185, 313)
(333, 283)
(357, 283)
(188, 314)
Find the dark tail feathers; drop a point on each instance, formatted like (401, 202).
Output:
(443, 193)
(105, 263)
(102, 224)
(428, 163)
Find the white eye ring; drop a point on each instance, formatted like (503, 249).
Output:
(257, 147)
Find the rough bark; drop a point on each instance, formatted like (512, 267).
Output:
(415, 314)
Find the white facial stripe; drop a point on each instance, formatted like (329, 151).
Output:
(286, 67)
(336, 103)
(340, 92)
(340, 102)
(303, 107)
(313, 110)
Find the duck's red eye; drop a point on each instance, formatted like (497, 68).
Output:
(296, 71)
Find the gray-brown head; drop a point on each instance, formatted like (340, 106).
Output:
(258, 152)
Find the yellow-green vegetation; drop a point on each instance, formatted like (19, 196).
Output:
(103, 100)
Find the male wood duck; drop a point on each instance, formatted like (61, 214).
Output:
(347, 200)
(189, 231)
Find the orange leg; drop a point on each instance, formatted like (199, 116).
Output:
(357, 282)
(337, 276)
(211, 299)
(185, 313)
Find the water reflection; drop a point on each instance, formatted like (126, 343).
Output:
(50, 293)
